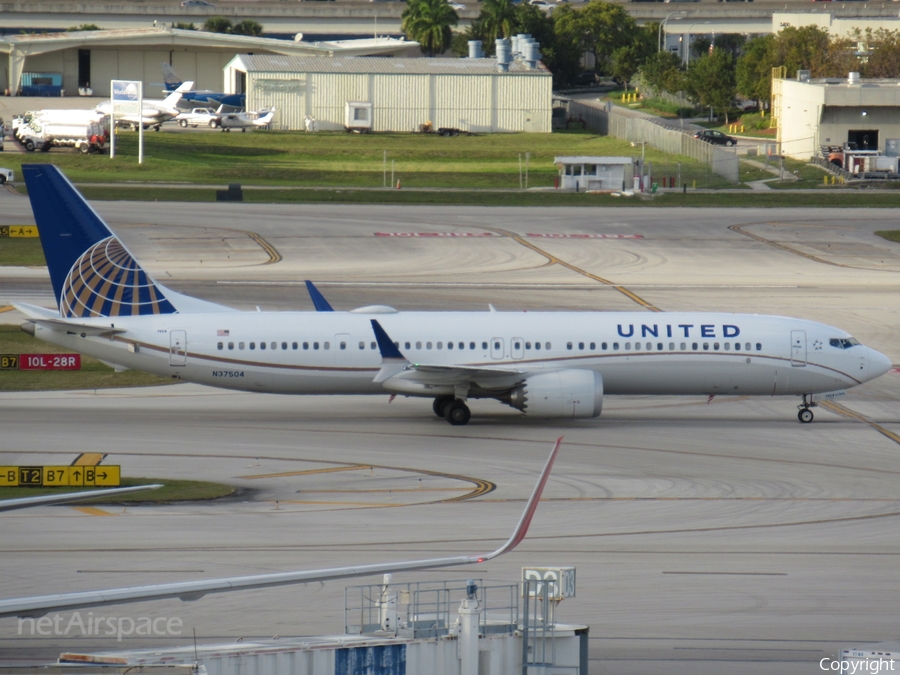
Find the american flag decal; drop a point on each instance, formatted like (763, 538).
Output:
(222, 333)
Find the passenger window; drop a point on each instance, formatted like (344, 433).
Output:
(517, 345)
(327, 345)
(694, 346)
(727, 346)
(671, 346)
(262, 345)
(230, 345)
(649, 346)
(406, 345)
(362, 345)
(496, 345)
(659, 346)
(615, 346)
(527, 345)
(568, 345)
(484, 345)
(716, 346)
(315, 345)
(461, 345)
(284, 345)
(580, 345)
(471, 345)
(747, 346)
(737, 346)
(252, 345)
(759, 346)
(220, 346)
(294, 346)
(684, 346)
(373, 345)
(449, 345)
(343, 345)
(603, 346)
(418, 345)
(627, 346)
(546, 345)
(305, 345)
(240, 345)
(593, 345)
(427, 345)
(274, 345)
(440, 345)
(706, 346)
(537, 345)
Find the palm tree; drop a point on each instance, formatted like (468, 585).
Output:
(498, 19)
(428, 22)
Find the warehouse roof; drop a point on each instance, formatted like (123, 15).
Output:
(273, 63)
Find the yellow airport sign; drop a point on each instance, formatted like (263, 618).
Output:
(60, 476)
(23, 231)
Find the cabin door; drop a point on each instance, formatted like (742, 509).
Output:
(177, 348)
(798, 348)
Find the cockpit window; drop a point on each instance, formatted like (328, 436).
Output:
(843, 343)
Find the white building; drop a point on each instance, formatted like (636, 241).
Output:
(466, 94)
(832, 111)
(594, 173)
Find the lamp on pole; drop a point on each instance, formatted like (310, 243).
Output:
(659, 32)
(687, 49)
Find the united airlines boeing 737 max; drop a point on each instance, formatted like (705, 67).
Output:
(546, 364)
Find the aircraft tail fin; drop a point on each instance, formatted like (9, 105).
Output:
(92, 272)
(170, 77)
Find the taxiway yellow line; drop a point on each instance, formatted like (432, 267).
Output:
(388, 490)
(92, 511)
(6, 308)
(308, 472)
(88, 459)
(859, 417)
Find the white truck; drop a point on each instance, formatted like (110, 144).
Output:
(44, 133)
(199, 116)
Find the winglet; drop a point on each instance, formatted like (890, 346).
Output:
(522, 528)
(392, 361)
(47, 500)
(319, 301)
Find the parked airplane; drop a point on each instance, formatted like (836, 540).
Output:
(191, 590)
(244, 121)
(153, 112)
(546, 364)
(197, 97)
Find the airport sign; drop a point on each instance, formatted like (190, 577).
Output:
(60, 476)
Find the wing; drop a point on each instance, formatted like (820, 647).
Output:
(46, 500)
(192, 590)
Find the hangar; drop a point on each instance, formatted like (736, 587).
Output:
(812, 113)
(79, 59)
(474, 94)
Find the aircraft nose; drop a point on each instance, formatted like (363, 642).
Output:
(879, 364)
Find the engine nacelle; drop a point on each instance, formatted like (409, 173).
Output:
(560, 393)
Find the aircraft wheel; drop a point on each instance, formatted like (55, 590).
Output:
(440, 402)
(183, 124)
(457, 413)
(805, 415)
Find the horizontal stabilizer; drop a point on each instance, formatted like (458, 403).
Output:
(319, 301)
(48, 500)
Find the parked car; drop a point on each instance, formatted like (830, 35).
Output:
(715, 137)
(6, 176)
(199, 116)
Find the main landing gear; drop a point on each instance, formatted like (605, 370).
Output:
(452, 409)
(805, 415)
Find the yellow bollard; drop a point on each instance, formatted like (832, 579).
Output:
(742, 128)
(694, 185)
(825, 180)
(763, 113)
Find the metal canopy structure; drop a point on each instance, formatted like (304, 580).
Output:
(19, 47)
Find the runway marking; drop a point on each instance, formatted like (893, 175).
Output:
(313, 503)
(737, 574)
(88, 459)
(388, 490)
(698, 499)
(809, 256)
(562, 263)
(271, 251)
(476, 284)
(7, 308)
(92, 511)
(859, 417)
(308, 472)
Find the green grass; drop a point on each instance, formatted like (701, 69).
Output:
(172, 491)
(93, 374)
(25, 252)
(890, 235)
(337, 159)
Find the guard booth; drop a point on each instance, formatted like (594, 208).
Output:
(594, 173)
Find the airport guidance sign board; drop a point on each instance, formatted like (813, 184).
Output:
(60, 476)
(127, 101)
(40, 361)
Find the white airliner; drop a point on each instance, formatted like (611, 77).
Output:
(546, 364)
(39, 605)
(153, 111)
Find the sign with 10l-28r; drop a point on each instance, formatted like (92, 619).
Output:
(40, 361)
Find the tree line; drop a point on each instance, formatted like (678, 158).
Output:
(716, 75)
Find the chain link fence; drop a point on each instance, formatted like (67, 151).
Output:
(609, 121)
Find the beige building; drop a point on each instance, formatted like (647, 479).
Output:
(466, 94)
(815, 113)
(92, 58)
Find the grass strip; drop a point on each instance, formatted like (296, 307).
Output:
(890, 235)
(21, 252)
(172, 491)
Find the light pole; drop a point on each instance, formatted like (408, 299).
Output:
(687, 48)
(659, 32)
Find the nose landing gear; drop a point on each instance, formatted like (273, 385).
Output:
(805, 414)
